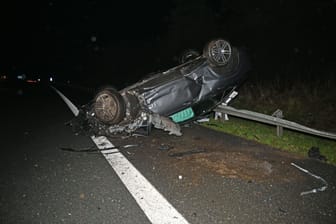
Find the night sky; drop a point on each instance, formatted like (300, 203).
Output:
(96, 42)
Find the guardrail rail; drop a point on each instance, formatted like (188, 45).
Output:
(273, 120)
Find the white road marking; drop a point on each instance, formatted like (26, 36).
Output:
(68, 102)
(153, 204)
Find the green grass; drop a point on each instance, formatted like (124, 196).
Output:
(290, 141)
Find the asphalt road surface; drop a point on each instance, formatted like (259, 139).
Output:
(204, 176)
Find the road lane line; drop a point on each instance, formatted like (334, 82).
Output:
(154, 205)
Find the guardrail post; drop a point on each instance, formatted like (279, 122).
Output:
(279, 129)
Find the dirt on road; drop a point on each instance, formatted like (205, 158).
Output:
(202, 151)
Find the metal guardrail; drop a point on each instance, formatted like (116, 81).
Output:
(279, 122)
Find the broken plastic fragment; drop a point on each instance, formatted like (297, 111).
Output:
(165, 124)
(164, 147)
(203, 120)
(315, 190)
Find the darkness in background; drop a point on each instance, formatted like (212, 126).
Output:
(95, 43)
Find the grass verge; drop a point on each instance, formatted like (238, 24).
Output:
(290, 141)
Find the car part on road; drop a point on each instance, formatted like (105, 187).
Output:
(165, 124)
(314, 152)
(315, 190)
(203, 120)
(164, 147)
(95, 149)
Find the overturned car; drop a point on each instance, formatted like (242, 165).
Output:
(181, 94)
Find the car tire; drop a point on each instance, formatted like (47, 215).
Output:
(109, 106)
(218, 52)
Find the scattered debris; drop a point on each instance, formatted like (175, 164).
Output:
(180, 154)
(95, 149)
(315, 190)
(164, 147)
(180, 177)
(187, 125)
(165, 124)
(314, 152)
(206, 119)
(129, 146)
(267, 167)
(283, 211)
(131, 135)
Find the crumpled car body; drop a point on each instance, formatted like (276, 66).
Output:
(180, 94)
